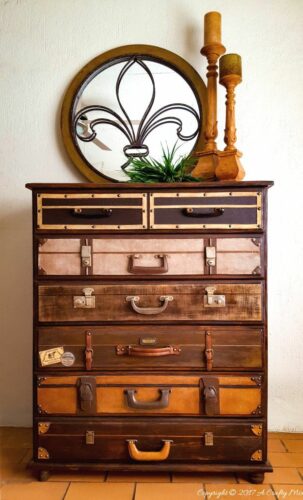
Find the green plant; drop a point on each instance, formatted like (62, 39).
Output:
(168, 170)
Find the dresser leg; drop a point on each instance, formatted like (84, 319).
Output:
(256, 477)
(43, 475)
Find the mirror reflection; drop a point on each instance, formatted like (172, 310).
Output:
(130, 109)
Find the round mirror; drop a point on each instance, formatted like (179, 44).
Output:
(131, 102)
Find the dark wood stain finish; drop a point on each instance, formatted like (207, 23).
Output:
(186, 347)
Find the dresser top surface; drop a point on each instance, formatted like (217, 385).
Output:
(215, 185)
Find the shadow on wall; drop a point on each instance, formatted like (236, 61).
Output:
(16, 318)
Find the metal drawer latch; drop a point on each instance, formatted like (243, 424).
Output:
(90, 437)
(86, 256)
(88, 301)
(210, 253)
(212, 300)
(209, 439)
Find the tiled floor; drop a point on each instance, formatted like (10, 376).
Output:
(17, 483)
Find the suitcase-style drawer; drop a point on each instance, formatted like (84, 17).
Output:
(151, 302)
(191, 395)
(143, 441)
(206, 210)
(140, 347)
(91, 211)
(150, 256)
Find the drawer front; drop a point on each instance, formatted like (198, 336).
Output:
(91, 211)
(206, 210)
(221, 395)
(143, 440)
(146, 302)
(142, 347)
(150, 256)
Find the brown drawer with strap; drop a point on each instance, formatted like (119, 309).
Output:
(226, 210)
(209, 395)
(150, 256)
(91, 211)
(151, 302)
(149, 441)
(143, 347)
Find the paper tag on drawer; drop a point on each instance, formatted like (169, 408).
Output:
(51, 356)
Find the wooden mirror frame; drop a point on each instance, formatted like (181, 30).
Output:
(167, 57)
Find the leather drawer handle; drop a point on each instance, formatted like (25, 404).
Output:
(87, 213)
(136, 351)
(160, 403)
(134, 269)
(149, 456)
(149, 310)
(213, 212)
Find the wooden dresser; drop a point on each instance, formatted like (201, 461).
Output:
(150, 327)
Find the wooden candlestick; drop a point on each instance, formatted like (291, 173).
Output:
(212, 50)
(229, 165)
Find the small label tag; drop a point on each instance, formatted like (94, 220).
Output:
(148, 340)
(51, 356)
(68, 359)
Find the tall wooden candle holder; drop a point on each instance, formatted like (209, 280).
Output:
(229, 166)
(213, 49)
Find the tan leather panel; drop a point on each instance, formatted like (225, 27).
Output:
(178, 263)
(236, 380)
(237, 263)
(60, 263)
(237, 244)
(152, 245)
(181, 400)
(236, 401)
(57, 399)
(127, 379)
(60, 245)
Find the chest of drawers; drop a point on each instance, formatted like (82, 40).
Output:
(150, 327)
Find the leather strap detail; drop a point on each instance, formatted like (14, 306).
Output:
(88, 351)
(160, 403)
(86, 395)
(209, 352)
(210, 388)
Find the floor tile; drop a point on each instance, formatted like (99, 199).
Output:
(276, 445)
(294, 446)
(102, 491)
(138, 477)
(203, 477)
(285, 435)
(83, 477)
(15, 472)
(238, 491)
(34, 491)
(292, 492)
(280, 475)
(169, 491)
(286, 459)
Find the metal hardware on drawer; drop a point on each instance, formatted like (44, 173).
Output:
(43, 454)
(85, 302)
(149, 310)
(256, 456)
(43, 427)
(148, 341)
(257, 429)
(86, 256)
(90, 437)
(212, 300)
(210, 256)
(209, 439)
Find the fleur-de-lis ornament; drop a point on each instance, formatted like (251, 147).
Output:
(86, 128)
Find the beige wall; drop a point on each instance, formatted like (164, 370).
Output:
(44, 43)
